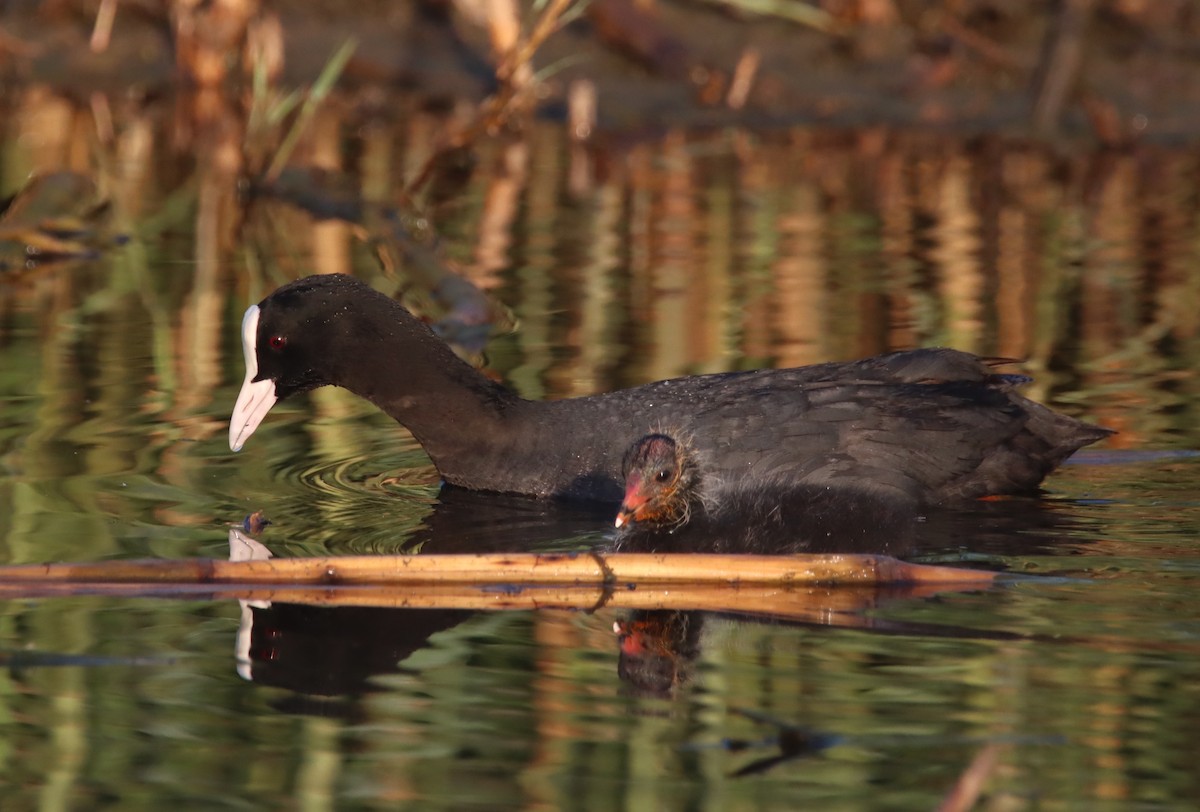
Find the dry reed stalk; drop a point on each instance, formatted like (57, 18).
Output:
(106, 14)
(495, 110)
(838, 605)
(571, 569)
(743, 78)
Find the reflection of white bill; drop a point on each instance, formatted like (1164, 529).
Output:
(244, 548)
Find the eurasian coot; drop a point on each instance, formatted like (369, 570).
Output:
(930, 426)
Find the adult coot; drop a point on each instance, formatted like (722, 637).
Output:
(929, 426)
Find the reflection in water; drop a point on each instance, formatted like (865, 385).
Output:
(336, 651)
(786, 274)
(682, 252)
(933, 181)
(789, 740)
(773, 521)
(657, 650)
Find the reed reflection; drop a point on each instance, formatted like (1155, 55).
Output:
(687, 253)
(667, 253)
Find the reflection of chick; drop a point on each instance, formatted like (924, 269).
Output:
(671, 503)
(658, 649)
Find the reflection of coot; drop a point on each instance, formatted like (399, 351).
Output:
(326, 651)
(1007, 528)
(464, 521)
(334, 651)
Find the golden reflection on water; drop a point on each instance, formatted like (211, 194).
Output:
(672, 253)
(679, 253)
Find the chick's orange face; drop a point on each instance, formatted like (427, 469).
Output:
(652, 474)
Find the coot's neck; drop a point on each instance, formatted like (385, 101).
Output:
(456, 413)
(478, 433)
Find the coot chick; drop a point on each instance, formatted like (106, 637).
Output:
(661, 484)
(673, 503)
(930, 426)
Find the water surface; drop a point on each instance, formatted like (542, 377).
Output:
(674, 253)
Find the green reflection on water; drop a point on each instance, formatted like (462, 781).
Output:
(694, 253)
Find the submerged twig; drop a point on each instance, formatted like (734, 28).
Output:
(967, 789)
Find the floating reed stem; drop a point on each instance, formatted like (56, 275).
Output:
(825, 589)
(573, 569)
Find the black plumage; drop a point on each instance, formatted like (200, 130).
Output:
(924, 426)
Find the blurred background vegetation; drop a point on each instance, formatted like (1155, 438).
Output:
(582, 196)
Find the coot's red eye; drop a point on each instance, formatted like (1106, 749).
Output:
(277, 342)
